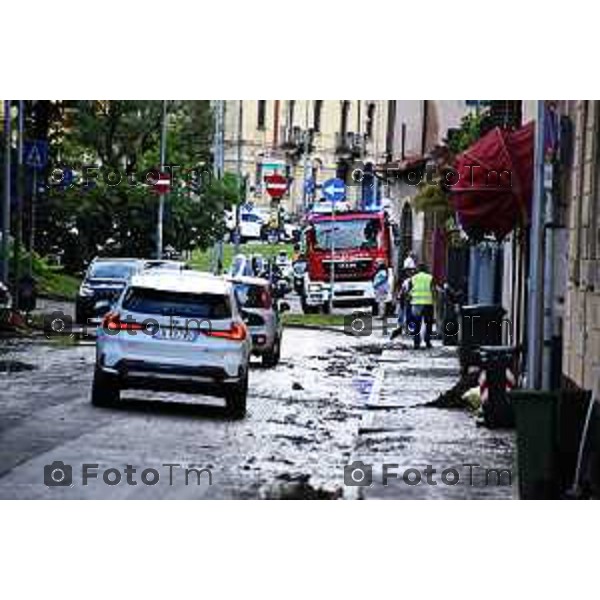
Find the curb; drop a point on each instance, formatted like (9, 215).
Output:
(332, 328)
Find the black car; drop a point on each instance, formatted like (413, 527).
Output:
(104, 281)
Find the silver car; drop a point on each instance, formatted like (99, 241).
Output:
(171, 330)
(261, 313)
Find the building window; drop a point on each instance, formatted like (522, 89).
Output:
(344, 118)
(262, 113)
(317, 116)
(291, 105)
(370, 120)
(406, 230)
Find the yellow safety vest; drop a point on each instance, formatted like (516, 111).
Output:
(421, 289)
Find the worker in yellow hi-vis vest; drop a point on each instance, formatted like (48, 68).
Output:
(422, 290)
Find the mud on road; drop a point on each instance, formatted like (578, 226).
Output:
(332, 400)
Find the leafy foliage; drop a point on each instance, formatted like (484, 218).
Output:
(99, 216)
(467, 134)
(431, 196)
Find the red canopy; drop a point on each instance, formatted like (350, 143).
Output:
(495, 180)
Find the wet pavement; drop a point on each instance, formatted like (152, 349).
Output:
(333, 400)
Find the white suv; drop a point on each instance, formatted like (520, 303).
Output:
(174, 331)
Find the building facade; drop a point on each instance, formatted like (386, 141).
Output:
(305, 140)
(581, 330)
(315, 140)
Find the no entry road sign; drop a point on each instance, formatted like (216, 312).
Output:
(276, 185)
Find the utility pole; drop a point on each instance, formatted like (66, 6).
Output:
(240, 174)
(218, 168)
(161, 197)
(306, 142)
(19, 224)
(375, 133)
(550, 326)
(6, 199)
(536, 259)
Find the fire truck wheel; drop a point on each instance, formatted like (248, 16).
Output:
(306, 309)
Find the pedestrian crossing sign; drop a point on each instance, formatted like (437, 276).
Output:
(35, 154)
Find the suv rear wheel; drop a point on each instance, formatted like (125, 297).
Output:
(105, 389)
(271, 358)
(80, 315)
(235, 397)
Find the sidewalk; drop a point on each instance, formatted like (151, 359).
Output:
(398, 427)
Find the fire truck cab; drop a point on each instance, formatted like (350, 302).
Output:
(353, 244)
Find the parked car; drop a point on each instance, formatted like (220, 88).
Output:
(5, 297)
(240, 265)
(104, 281)
(261, 313)
(179, 331)
(251, 225)
(299, 267)
(171, 265)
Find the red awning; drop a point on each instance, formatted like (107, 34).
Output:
(495, 181)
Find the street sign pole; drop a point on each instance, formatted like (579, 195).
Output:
(35, 156)
(306, 140)
(332, 273)
(334, 190)
(19, 224)
(219, 172)
(32, 224)
(6, 202)
(242, 187)
(161, 197)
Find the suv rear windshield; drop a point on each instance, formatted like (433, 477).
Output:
(253, 296)
(180, 304)
(108, 270)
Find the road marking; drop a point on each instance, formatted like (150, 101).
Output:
(376, 389)
(358, 492)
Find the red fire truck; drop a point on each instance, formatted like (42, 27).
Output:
(353, 244)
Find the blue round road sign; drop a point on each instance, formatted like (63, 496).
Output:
(334, 190)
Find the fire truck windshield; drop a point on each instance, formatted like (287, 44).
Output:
(359, 233)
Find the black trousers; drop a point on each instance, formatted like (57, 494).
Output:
(420, 313)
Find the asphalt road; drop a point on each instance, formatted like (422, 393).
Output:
(307, 419)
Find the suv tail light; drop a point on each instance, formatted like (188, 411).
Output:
(237, 332)
(112, 321)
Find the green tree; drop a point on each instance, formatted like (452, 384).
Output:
(85, 220)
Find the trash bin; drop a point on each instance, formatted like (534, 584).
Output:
(27, 293)
(496, 379)
(481, 325)
(536, 418)
(448, 309)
